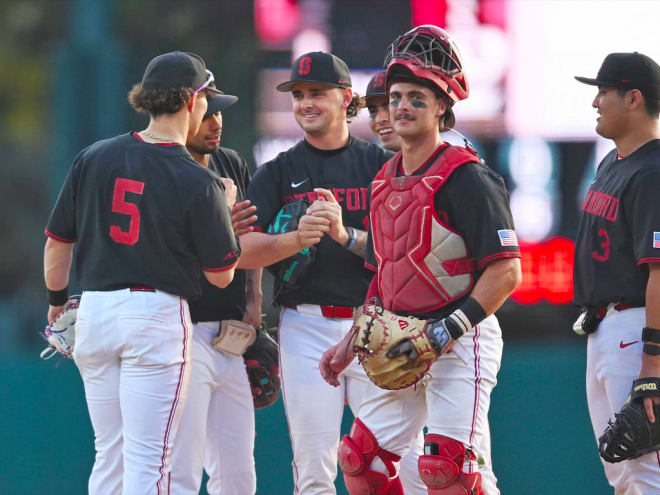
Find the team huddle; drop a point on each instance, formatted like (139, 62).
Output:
(397, 253)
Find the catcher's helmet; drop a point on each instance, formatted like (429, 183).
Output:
(429, 53)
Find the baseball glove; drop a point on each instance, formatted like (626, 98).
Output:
(61, 334)
(261, 362)
(291, 271)
(632, 435)
(377, 331)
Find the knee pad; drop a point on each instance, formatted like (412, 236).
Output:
(356, 452)
(441, 467)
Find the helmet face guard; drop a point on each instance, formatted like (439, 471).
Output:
(428, 52)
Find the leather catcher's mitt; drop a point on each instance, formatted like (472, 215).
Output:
(377, 330)
(632, 435)
(61, 334)
(261, 362)
(291, 271)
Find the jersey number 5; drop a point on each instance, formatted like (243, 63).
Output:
(119, 205)
(605, 246)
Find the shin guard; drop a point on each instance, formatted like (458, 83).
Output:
(356, 452)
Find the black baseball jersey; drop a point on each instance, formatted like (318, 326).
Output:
(619, 229)
(143, 214)
(475, 204)
(229, 303)
(337, 277)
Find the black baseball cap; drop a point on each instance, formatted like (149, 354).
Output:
(318, 67)
(376, 86)
(218, 102)
(628, 71)
(177, 70)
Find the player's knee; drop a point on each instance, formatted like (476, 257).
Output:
(357, 451)
(441, 467)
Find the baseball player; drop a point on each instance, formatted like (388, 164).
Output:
(445, 250)
(147, 221)
(333, 170)
(217, 427)
(617, 255)
(379, 113)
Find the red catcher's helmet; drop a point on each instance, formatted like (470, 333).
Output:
(430, 53)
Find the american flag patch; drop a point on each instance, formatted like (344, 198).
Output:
(508, 237)
(656, 239)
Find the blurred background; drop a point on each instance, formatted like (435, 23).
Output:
(65, 69)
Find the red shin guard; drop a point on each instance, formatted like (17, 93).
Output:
(356, 452)
(442, 470)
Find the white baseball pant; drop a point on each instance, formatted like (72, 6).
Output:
(314, 409)
(217, 429)
(453, 402)
(133, 352)
(614, 360)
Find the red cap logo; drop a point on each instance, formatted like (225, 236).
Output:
(379, 80)
(304, 66)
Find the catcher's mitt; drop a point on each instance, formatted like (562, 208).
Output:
(377, 331)
(291, 271)
(61, 334)
(632, 435)
(261, 362)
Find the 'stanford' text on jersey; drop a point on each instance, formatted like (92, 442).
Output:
(474, 203)
(143, 214)
(619, 229)
(217, 304)
(338, 276)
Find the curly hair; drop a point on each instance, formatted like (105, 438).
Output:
(157, 102)
(354, 107)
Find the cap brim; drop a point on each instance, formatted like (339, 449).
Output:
(287, 86)
(218, 103)
(213, 90)
(592, 82)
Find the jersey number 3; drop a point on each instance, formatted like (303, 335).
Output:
(120, 205)
(604, 245)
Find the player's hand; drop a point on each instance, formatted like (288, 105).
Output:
(52, 312)
(230, 191)
(242, 217)
(650, 368)
(336, 359)
(311, 229)
(328, 208)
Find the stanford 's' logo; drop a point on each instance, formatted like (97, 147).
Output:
(379, 80)
(304, 66)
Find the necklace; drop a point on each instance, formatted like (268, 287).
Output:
(158, 138)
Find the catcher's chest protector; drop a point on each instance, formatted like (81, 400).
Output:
(422, 263)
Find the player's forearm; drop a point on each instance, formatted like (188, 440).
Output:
(259, 249)
(58, 257)
(253, 291)
(499, 280)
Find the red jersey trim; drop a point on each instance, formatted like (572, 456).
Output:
(503, 254)
(370, 267)
(137, 136)
(648, 260)
(222, 268)
(58, 238)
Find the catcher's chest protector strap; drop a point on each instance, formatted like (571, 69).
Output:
(441, 468)
(422, 263)
(356, 452)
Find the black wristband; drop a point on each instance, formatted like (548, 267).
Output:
(58, 297)
(473, 311)
(652, 350)
(651, 335)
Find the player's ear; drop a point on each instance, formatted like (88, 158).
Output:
(348, 97)
(442, 107)
(635, 98)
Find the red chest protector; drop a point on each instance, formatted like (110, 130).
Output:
(422, 263)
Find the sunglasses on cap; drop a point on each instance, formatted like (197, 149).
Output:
(208, 81)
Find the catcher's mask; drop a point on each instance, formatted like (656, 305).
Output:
(429, 53)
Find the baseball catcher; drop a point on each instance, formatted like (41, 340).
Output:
(397, 351)
(291, 271)
(261, 361)
(632, 434)
(61, 333)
